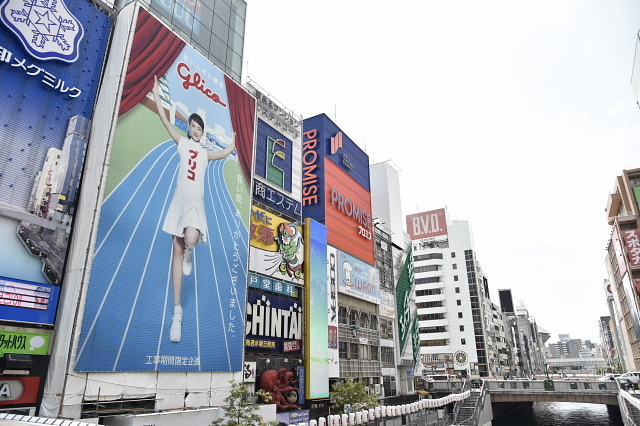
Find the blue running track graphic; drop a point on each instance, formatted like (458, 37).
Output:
(129, 304)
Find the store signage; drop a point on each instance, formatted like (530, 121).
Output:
(309, 168)
(18, 390)
(427, 224)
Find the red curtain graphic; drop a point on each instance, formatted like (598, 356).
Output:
(154, 49)
(242, 107)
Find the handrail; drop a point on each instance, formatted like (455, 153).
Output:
(477, 409)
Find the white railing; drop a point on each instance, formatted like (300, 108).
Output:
(385, 411)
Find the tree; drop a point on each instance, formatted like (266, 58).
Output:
(240, 410)
(352, 393)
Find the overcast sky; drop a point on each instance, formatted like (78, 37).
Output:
(515, 115)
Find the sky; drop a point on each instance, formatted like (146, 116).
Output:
(514, 115)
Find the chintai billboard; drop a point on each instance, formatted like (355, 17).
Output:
(167, 290)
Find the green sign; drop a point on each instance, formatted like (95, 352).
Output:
(415, 337)
(23, 343)
(403, 295)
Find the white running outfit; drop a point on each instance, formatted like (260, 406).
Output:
(187, 205)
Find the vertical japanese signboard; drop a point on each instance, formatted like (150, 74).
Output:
(178, 180)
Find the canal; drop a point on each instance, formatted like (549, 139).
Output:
(562, 414)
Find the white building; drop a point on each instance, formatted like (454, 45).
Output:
(452, 297)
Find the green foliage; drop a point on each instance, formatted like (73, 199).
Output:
(240, 409)
(352, 393)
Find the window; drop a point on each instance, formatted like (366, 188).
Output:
(459, 302)
(387, 356)
(425, 305)
(374, 353)
(428, 280)
(455, 278)
(429, 317)
(342, 315)
(463, 341)
(353, 351)
(386, 328)
(374, 322)
(428, 257)
(453, 254)
(457, 289)
(462, 328)
(430, 292)
(342, 350)
(455, 266)
(353, 317)
(364, 320)
(459, 314)
(428, 268)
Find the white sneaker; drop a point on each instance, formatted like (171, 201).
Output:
(187, 261)
(176, 326)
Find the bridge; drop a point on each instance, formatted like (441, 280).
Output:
(489, 398)
(553, 391)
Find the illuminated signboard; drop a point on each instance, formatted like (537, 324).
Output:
(26, 301)
(348, 214)
(317, 351)
(332, 293)
(274, 157)
(18, 390)
(277, 200)
(274, 324)
(49, 82)
(335, 145)
(275, 286)
(427, 224)
(277, 247)
(357, 278)
(632, 244)
(16, 342)
(178, 179)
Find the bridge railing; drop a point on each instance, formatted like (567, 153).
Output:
(542, 386)
(629, 407)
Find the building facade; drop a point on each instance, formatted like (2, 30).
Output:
(623, 265)
(452, 297)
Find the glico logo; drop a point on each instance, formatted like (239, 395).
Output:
(47, 30)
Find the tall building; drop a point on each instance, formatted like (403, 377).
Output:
(336, 193)
(391, 253)
(452, 296)
(623, 264)
(215, 28)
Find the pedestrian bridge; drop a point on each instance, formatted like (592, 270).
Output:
(553, 391)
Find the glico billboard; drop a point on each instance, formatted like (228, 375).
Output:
(335, 187)
(167, 290)
(51, 59)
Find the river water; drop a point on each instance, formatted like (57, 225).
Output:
(562, 414)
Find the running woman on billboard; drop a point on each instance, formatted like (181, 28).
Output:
(186, 219)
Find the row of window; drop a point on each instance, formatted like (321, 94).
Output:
(437, 329)
(440, 342)
(358, 351)
(434, 317)
(354, 317)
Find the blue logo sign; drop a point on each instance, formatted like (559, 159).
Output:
(46, 29)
